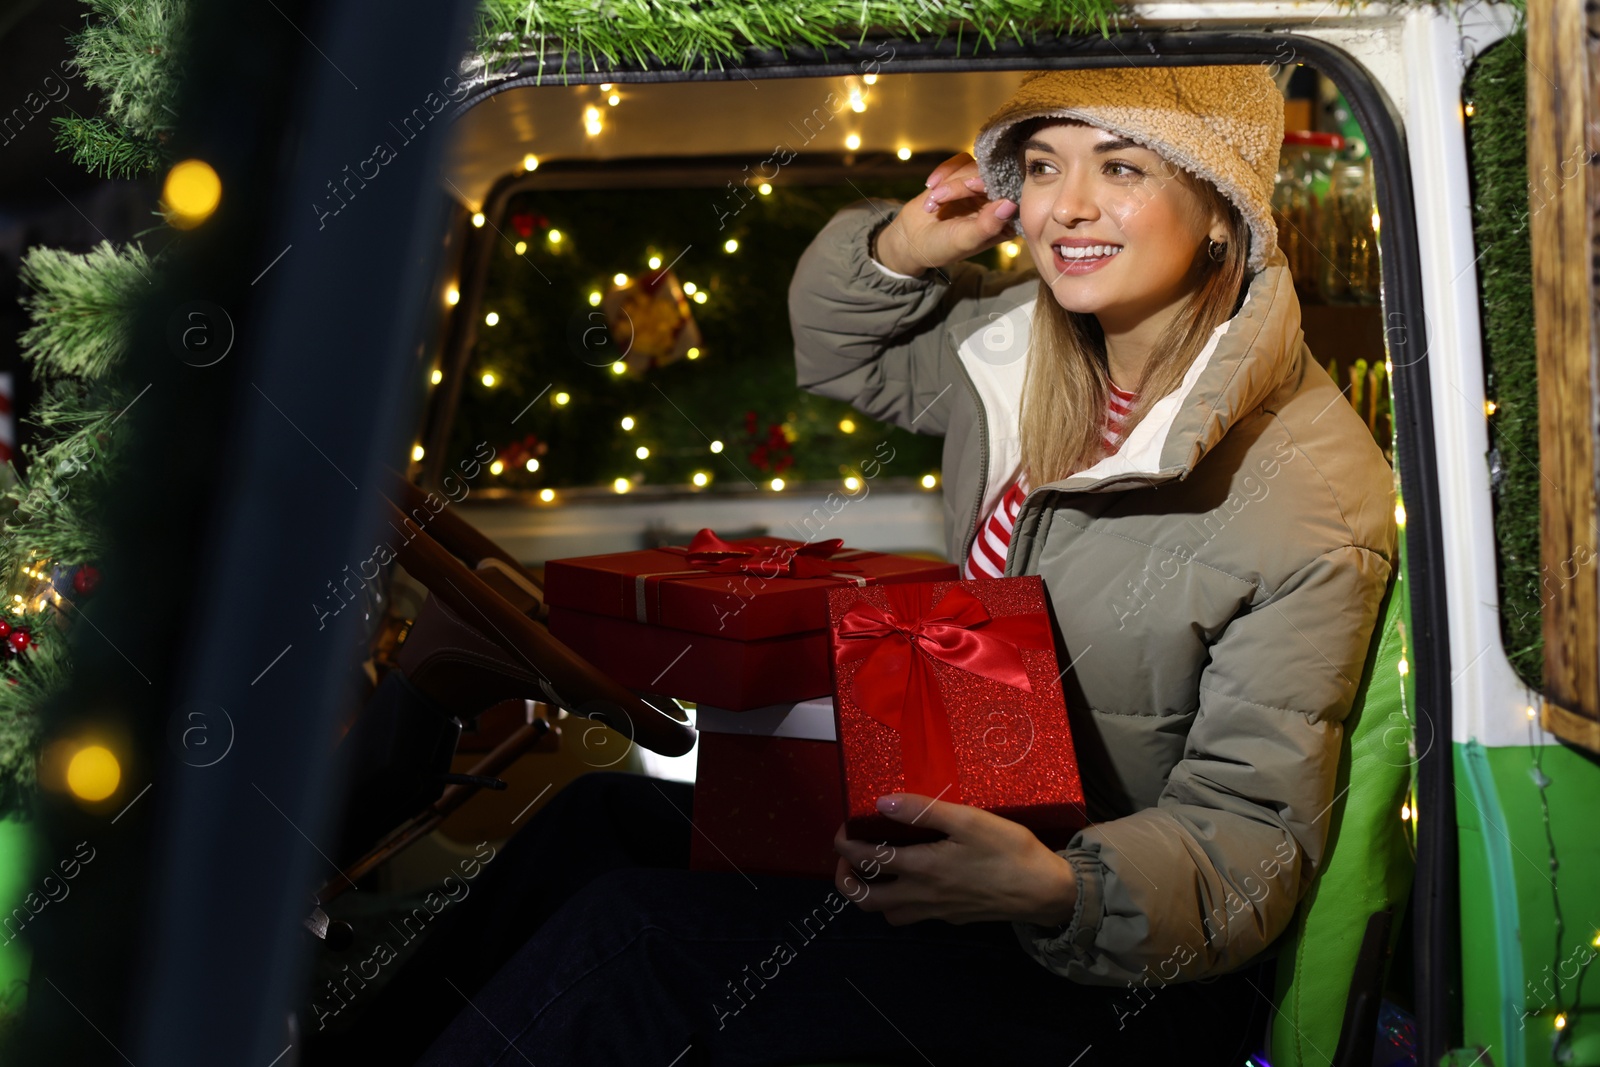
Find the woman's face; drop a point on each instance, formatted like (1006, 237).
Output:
(1116, 230)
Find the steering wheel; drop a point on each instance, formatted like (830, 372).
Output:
(563, 678)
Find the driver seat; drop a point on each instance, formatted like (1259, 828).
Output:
(1333, 959)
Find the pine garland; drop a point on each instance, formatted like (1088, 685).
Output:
(83, 309)
(676, 33)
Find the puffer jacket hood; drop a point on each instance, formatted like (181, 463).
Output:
(1215, 584)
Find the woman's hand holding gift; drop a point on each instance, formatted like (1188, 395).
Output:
(988, 869)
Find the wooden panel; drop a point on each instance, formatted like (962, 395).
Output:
(1561, 96)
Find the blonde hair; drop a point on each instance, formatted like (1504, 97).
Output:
(1066, 387)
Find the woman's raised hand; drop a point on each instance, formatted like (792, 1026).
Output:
(953, 221)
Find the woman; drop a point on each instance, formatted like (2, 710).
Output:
(1216, 577)
(1140, 424)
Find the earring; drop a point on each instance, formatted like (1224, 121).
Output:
(1218, 251)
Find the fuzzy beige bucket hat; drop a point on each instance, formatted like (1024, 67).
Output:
(1223, 124)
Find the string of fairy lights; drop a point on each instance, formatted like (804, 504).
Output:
(700, 479)
(1562, 1016)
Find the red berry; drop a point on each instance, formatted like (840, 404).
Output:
(5, 628)
(85, 580)
(18, 640)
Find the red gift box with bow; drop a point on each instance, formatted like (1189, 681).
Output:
(735, 624)
(952, 690)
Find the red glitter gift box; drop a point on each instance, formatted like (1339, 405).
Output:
(952, 690)
(767, 795)
(735, 624)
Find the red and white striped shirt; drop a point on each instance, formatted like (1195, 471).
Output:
(988, 556)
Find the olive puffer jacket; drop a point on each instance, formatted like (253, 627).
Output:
(1215, 582)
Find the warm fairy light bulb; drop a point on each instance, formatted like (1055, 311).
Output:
(191, 193)
(417, 452)
(765, 188)
(1011, 249)
(716, 446)
(1488, 407)
(857, 104)
(477, 218)
(532, 465)
(700, 297)
(1531, 712)
(489, 379)
(530, 162)
(554, 237)
(591, 114)
(619, 279)
(701, 478)
(1405, 813)
(436, 377)
(852, 483)
(562, 399)
(496, 467)
(605, 87)
(870, 79)
(619, 367)
(1469, 109)
(847, 425)
(547, 495)
(853, 142)
(613, 99)
(93, 773)
(730, 246)
(904, 153)
(693, 353)
(1400, 515)
(595, 298)
(777, 485)
(1374, 220)
(1403, 667)
(655, 262)
(929, 481)
(1561, 1021)
(491, 319)
(627, 422)
(452, 296)
(622, 485)
(521, 247)
(642, 452)
(690, 287)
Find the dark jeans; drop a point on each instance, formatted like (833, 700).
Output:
(642, 961)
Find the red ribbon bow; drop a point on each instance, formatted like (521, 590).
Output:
(898, 683)
(717, 556)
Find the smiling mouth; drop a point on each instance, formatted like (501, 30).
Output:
(1072, 253)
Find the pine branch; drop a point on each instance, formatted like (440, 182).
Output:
(82, 307)
(131, 51)
(106, 149)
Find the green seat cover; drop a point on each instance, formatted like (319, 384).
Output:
(1369, 861)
